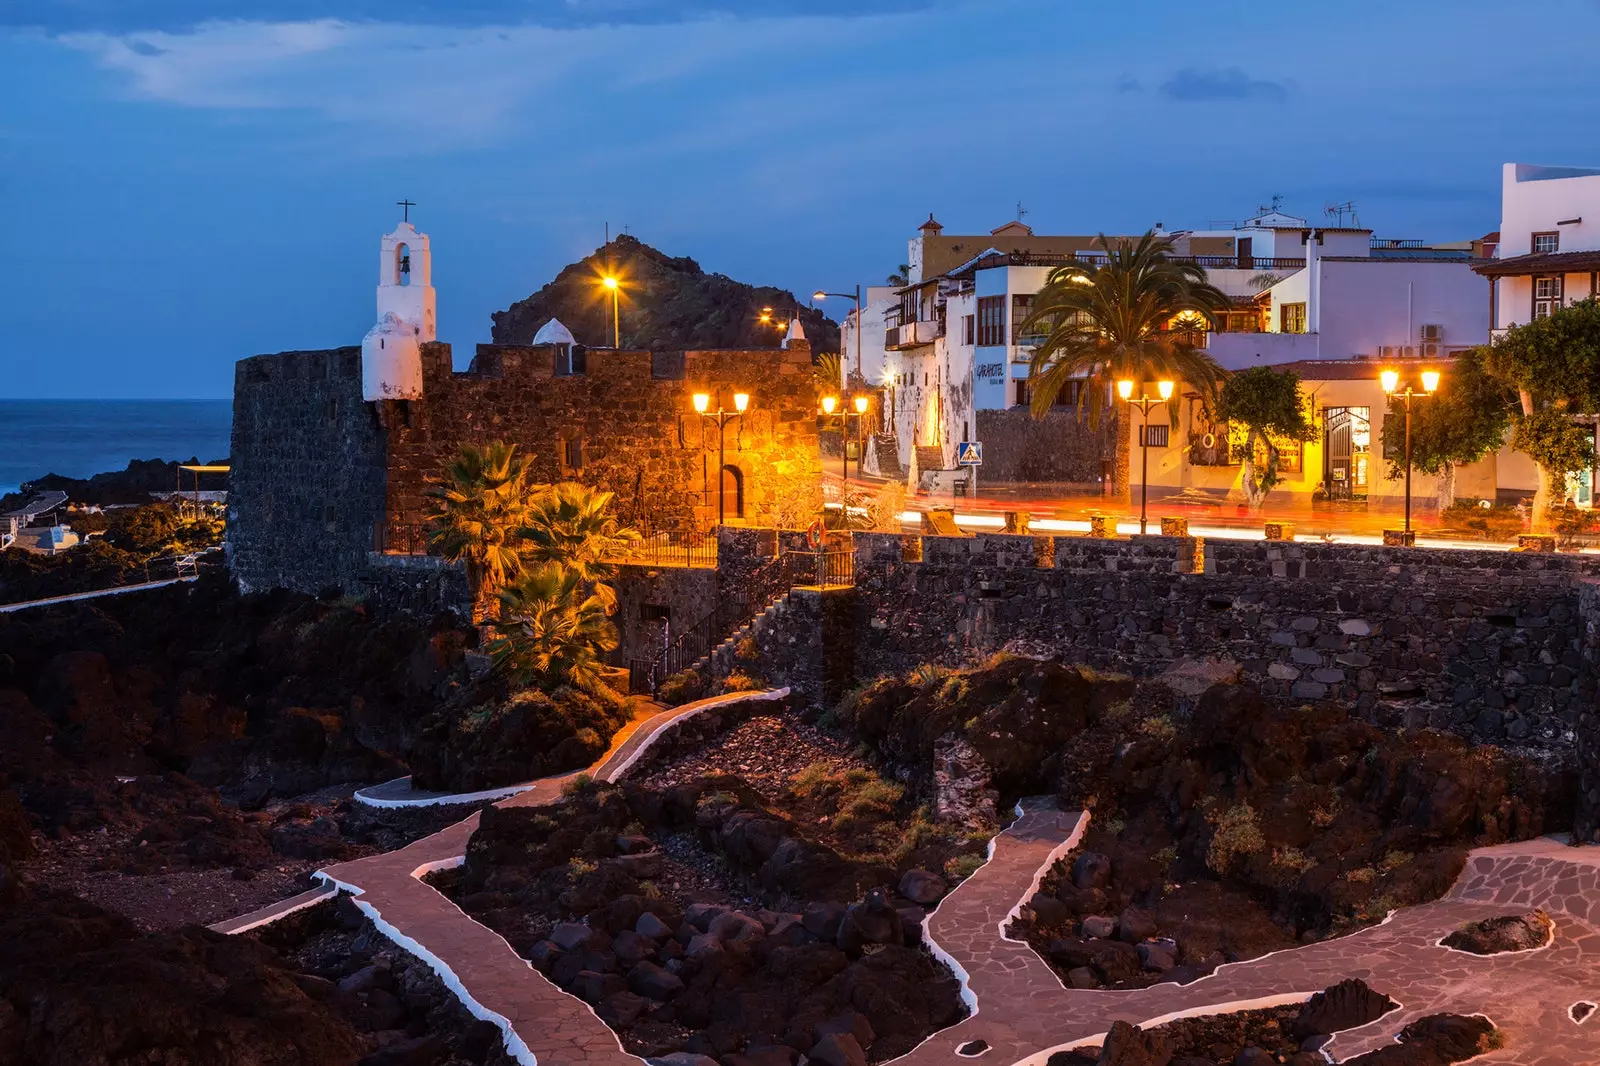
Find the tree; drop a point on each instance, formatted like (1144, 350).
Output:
(1268, 404)
(551, 630)
(901, 276)
(478, 506)
(572, 527)
(1463, 421)
(1553, 364)
(1111, 320)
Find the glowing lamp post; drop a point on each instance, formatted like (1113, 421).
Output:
(856, 296)
(831, 409)
(702, 407)
(1144, 403)
(1391, 385)
(610, 282)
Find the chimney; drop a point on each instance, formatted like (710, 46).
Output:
(1313, 281)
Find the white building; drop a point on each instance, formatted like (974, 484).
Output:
(1548, 252)
(947, 344)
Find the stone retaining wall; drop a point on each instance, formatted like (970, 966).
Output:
(1487, 643)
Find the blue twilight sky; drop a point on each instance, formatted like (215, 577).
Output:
(188, 182)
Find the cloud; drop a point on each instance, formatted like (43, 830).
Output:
(1127, 83)
(129, 16)
(1229, 83)
(416, 89)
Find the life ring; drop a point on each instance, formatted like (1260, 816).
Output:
(1209, 440)
(814, 535)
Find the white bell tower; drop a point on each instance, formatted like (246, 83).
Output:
(391, 352)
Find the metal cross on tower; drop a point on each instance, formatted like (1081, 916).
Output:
(405, 209)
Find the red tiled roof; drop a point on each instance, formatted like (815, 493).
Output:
(1546, 263)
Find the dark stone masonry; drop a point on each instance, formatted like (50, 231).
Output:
(1492, 644)
(1059, 448)
(328, 489)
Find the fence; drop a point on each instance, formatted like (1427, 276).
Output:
(681, 548)
(830, 568)
(400, 538)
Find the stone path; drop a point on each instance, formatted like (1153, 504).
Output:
(1020, 1007)
(542, 1024)
(1023, 1012)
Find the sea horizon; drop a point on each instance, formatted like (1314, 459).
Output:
(80, 438)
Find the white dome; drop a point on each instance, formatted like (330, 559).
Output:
(796, 332)
(553, 332)
(391, 360)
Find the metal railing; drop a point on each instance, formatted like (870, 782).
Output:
(400, 538)
(829, 568)
(671, 548)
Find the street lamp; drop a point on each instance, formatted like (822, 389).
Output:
(1144, 403)
(702, 407)
(856, 296)
(1391, 385)
(831, 409)
(610, 281)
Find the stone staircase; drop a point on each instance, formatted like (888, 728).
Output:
(720, 662)
(930, 457)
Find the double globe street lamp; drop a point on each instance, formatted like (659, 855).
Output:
(702, 407)
(1391, 386)
(1144, 403)
(832, 410)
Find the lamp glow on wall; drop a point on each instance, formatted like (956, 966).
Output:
(1145, 401)
(1390, 379)
(702, 407)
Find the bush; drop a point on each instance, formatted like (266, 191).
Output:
(739, 681)
(526, 735)
(1489, 522)
(685, 686)
(1238, 834)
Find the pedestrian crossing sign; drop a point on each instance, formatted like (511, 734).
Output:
(969, 453)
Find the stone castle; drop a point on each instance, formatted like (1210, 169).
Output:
(333, 450)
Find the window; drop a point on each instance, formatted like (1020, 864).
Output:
(1546, 296)
(1021, 307)
(910, 306)
(1156, 436)
(571, 360)
(654, 612)
(967, 328)
(1292, 318)
(1545, 243)
(571, 451)
(991, 320)
(1024, 394)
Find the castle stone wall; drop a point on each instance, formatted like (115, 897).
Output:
(631, 416)
(307, 482)
(1488, 644)
(1058, 448)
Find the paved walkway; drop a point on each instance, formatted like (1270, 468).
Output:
(115, 590)
(1021, 1009)
(542, 1024)
(1024, 1012)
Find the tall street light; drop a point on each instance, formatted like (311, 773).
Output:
(611, 282)
(702, 407)
(856, 296)
(831, 410)
(1144, 403)
(1391, 385)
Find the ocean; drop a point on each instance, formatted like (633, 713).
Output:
(77, 438)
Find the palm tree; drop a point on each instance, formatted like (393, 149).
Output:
(572, 527)
(1108, 320)
(551, 631)
(901, 276)
(478, 505)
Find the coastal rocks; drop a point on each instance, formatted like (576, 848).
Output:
(1345, 1005)
(920, 886)
(963, 790)
(1508, 932)
(78, 985)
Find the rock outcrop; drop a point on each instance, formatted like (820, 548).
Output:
(667, 303)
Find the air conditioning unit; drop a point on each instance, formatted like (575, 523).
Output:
(1432, 333)
(1388, 351)
(1408, 352)
(1432, 351)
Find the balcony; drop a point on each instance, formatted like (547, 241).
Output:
(911, 335)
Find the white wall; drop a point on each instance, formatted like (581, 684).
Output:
(1241, 351)
(875, 361)
(1376, 302)
(1534, 198)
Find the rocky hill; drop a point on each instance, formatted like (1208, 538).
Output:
(668, 304)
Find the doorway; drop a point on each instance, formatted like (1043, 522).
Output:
(1347, 452)
(733, 491)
